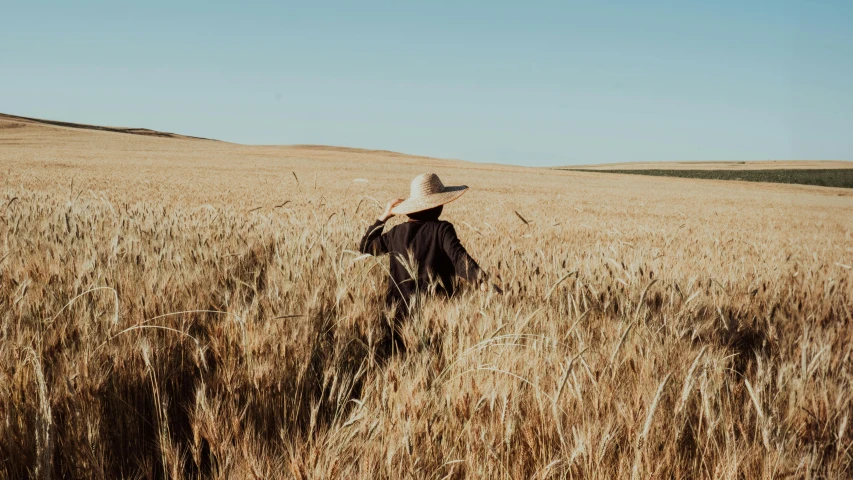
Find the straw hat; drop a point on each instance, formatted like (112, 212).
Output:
(427, 192)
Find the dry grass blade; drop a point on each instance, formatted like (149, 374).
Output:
(44, 431)
(618, 347)
(642, 298)
(91, 290)
(763, 422)
(566, 375)
(142, 327)
(647, 425)
(554, 287)
(688, 381)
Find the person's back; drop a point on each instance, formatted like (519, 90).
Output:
(429, 249)
(426, 255)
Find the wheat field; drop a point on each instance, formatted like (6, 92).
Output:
(181, 308)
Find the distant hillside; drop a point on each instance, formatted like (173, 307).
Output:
(28, 127)
(821, 177)
(69, 145)
(746, 165)
(10, 120)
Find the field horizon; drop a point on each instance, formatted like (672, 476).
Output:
(175, 307)
(9, 120)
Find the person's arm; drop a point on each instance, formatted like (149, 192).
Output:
(466, 267)
(373, 241)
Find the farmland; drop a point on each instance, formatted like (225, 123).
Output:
(835, 177)
(186, 308)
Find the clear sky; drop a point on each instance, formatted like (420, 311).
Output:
(531, 83)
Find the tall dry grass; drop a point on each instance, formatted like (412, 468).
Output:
(155, 325)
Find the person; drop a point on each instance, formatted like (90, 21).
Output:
(426, 255)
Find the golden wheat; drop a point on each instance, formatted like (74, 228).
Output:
(190, 309)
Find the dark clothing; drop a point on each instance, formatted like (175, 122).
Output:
(436, 250)
(426, 215)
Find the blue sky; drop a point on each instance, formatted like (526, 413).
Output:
(530, 83)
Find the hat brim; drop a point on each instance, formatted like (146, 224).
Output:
(418, 204)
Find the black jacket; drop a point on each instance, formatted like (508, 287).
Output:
(436, 250)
